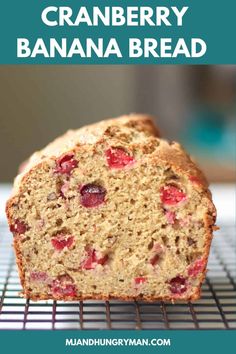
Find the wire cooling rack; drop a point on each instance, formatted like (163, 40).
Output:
(215, 310)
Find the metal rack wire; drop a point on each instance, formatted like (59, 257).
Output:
(215, 310)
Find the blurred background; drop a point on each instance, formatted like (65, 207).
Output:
(195, 105)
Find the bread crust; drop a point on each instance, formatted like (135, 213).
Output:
(86, 135)
(168, 154)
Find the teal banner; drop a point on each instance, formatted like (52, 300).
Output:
(117, 32)
(178, 342)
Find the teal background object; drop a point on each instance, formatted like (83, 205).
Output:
(182, 342)
(213, 21)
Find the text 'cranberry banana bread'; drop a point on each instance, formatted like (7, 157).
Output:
(112, 211)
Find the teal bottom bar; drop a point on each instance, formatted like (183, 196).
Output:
(189, 342)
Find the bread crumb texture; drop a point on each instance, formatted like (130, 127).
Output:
(111, 211)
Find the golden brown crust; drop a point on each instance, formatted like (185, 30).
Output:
(167, 154)
(193, 297)
(90, 134)
(19, 261)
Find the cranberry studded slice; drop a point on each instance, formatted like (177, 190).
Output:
(38, 276)
(92, 259)
(92, 195)
(19, 227)
(171, 195)
(66, 164)
(140, 280)
(63, 286)
(178, 285)
(61, 241)
(196, 268)
(118, 158)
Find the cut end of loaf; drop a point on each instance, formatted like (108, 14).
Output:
(128, 217)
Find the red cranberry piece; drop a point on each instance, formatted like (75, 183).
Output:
(38, 276)
(157, 251)
(158, 248)
(88, 262)
(66, 164)
(195, 179)
(170, 216)
(102, 260)
(171, 195)
(64, 189)
(178, 285)
(154, 260)
(65, 290)
(118, 158)
(19, 227)
(61, 241)
(63, 286)
(92, 195)
(92, 259)
(196, 267)
(140, 280)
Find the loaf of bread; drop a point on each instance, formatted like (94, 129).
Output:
(111, 211)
